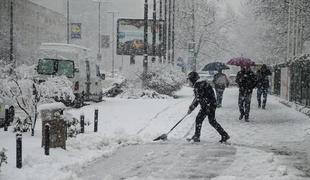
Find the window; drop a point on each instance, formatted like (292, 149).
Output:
(66, 67)
(46, 66)
(56, 67)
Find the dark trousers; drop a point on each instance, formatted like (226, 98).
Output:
(244, 103)
(262, 91)
(219, 95)
(211, 116)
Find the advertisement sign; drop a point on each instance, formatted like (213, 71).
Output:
(105, 41)
(130, 37)
(76, 30)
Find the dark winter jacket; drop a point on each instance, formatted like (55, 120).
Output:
(262, 78)
(220, 81)
(246, 81)
(204, 95)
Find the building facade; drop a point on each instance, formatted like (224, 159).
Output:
(33, 24)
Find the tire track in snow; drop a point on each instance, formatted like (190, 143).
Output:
(158, 114)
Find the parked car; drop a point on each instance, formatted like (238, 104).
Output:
(206, 75)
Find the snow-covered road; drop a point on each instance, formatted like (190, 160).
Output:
(273, 145)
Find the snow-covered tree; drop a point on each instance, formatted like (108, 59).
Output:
(26, 93)
(203, 22)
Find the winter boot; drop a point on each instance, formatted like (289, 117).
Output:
(241, 117)
(196, 138)
(264, 106)
(225, 137)
(246, 118)
(259, 106)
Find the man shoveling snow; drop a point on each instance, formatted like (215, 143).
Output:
(204, 95)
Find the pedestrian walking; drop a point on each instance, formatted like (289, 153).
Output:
(262, 85)
(204, 95)
(246, 80)
(220, 81)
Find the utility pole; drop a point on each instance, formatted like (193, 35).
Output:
(194, 36)
(11, 33)
(288, 52)
(113, 41)
(169, 34)
(165, 32)
(160, 31)
(99, 32)
(68, 22)
(154, 32)
(173, 32)
(145, 55)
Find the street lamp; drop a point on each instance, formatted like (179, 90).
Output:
(113, 36)
(68, 22)
(99, 56)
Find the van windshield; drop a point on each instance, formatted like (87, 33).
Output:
(56, 67)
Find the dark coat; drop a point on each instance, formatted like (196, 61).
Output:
(246, 81)
(204, 95)
(220, 81)
(262, 78)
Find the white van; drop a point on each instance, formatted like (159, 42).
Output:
(76, 63)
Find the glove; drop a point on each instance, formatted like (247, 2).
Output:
(189, 111)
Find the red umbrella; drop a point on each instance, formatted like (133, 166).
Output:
(241, 61)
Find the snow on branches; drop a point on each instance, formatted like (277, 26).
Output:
(22, 88)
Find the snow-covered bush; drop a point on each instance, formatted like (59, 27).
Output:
(3, 157)
(73, 125)
(165, 80)
(26, 93)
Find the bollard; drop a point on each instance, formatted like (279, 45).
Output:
(82, 123)
(47, 139)
(96, 121)
(19, 150)
(6, 118)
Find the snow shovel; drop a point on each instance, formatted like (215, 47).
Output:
(164, 136)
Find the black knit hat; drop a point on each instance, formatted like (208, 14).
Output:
(193, 76)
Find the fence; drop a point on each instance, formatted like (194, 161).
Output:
(300, 82)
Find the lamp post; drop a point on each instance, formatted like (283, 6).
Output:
(160, 31)
(145, 59)
(173, 32)
(11, 31)
(113, 41)
(99, 56)
(154, 32)
(68, 22)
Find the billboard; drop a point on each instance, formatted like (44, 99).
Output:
(130, 37)
(76, 30)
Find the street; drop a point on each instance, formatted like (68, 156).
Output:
(274, 144)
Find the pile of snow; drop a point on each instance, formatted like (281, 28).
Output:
(134, 93)
(165, 80)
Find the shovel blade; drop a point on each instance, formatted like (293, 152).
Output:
(161, 137)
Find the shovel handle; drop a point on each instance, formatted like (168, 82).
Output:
(177, 123)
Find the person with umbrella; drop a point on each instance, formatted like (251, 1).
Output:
(220, 81)
(204, 95)
(262, 85)
(246, 80)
